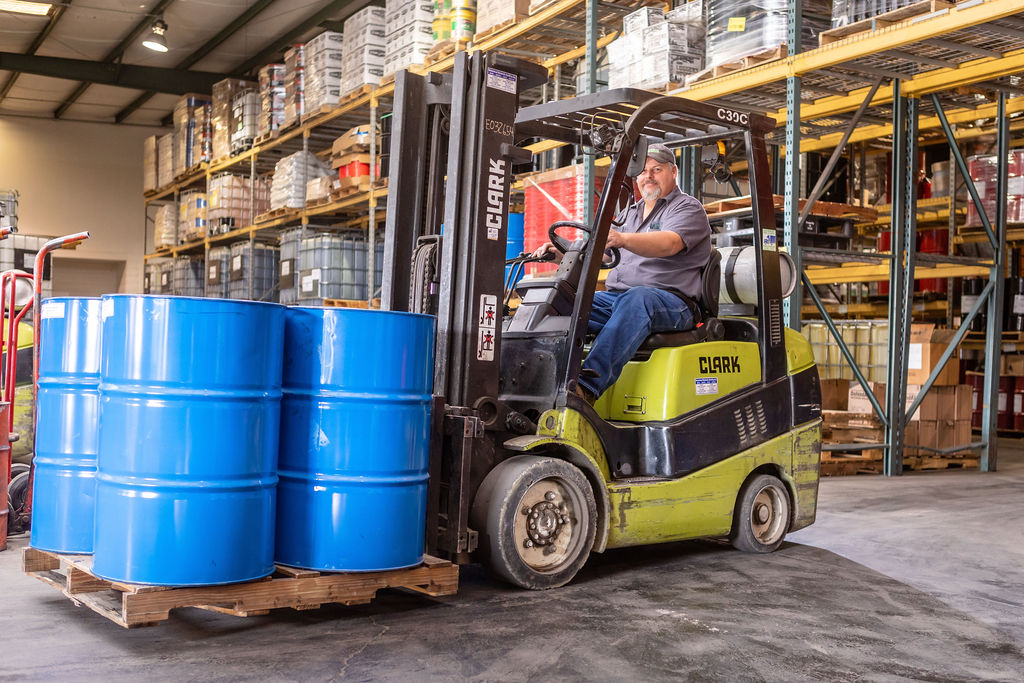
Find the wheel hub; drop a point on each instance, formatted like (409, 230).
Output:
(544, 521)
(762, 513)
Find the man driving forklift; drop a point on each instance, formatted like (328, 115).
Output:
(665, 239)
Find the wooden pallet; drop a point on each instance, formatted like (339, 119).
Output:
(134, 605)
(820, 208)
(940, 462)
(267, 137)
(353, 95)
(444, 50)
(190, 171)
(317, 203)
(1007, 338)
(320, 111)
(746, 62)
(361, 188)
(881, 21)
(836, 465)
(275, 214)
(480, 36)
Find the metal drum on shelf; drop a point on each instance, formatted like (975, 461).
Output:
(189, 414)
(67, 419)
(933, 242)
(355, 427)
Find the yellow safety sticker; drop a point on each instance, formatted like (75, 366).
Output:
(737, 24)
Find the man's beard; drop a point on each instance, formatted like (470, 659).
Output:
(650, 192)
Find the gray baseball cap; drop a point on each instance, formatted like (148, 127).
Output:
(661, 154)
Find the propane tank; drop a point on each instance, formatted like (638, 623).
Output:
(739, 275)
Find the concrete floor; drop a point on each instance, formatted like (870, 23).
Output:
(916, 578)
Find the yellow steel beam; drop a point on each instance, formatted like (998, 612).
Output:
(853, 48)
(860, 272)
(874, 132)
(580, 51)
(1015, 235)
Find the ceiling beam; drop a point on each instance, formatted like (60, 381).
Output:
(58, 12)
(209, 46)
(174, 81)
(143, 25)
(336, 9)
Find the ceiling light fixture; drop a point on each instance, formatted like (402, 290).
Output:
(39, 9)
(156, 41)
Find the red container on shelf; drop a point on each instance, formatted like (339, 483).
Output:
(1006, 388)
(977, 382)
(551, 196)
(884, 244)
(932, 242)
(1018, 404)
(928, 242)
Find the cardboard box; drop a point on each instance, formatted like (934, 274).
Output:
(1011, 365)
(928, 435)
(911, 436)
(491, 13)
(353, 140)
(954, 403)
(857, 401)
(835, 394)
(642, 18)
(926, 347)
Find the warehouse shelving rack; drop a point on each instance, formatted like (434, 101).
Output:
(821, 95)
(562, 31)
(911, 81)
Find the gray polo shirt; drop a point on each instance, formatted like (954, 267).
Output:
(682, 214)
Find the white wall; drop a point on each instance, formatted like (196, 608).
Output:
(75, 176)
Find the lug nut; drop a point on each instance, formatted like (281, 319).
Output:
(550, 495)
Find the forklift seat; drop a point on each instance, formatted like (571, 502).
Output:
(708, 328)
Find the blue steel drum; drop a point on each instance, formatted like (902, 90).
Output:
(355, 432)
(67, 425)
(514, 240)
(190, 399)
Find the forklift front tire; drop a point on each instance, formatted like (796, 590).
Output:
(762, 515)
(535, 517)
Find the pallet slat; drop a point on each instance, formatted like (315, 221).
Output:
(132, 605)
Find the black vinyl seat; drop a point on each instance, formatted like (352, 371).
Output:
(709, 327)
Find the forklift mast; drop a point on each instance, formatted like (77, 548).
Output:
(452, 152)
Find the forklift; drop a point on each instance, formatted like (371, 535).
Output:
(714, 432)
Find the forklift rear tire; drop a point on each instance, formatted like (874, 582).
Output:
(535, 517)
(762, 515)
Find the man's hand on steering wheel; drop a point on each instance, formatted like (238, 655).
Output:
(563, 245)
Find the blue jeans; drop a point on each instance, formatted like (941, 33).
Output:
(621, 321)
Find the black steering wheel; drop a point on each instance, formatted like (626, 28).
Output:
(563, 245)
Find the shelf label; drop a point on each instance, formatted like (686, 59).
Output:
(914, 356)
(1018, 301)
(769, 241)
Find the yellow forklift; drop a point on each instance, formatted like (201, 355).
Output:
(715, 432)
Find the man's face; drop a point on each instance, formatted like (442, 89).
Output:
(656, 180)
